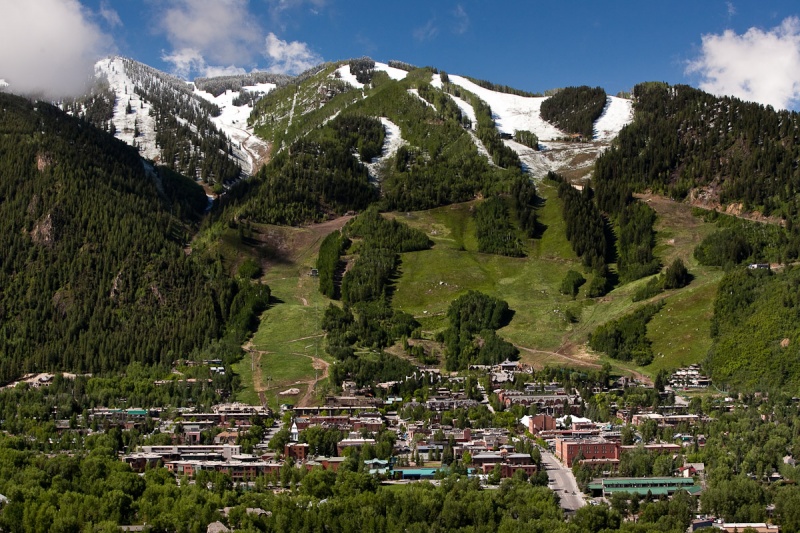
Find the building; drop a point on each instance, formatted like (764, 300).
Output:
(756, 527)
(568, 450)
(541, 423)
(655, 486)
(660, 448)
(296, 450)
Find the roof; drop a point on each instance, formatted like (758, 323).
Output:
(655, 491)
(645, 481)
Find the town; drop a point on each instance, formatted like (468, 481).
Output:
(585, 437)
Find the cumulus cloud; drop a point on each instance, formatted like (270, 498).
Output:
(460, 20)
(289, 57)
(189, 61)
(49, 47)
(761, 66)
(221, 31)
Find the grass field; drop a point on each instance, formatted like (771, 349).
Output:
(289, 333)
(429, 280)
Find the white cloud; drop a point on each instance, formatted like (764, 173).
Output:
(289, 57)
(188, 61)
(460, 20)
(221, 31)
(761, 66)
(49, 47)
(731, 8)
(213, 71)
(426, 32)
(279, 6)
(109, 14)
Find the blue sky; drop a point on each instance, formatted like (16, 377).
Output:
(749, 49)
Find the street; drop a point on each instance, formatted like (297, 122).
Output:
(562, 481)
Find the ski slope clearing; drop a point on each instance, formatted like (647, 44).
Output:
(344, 74)
(512, 112)
(466, 110)
(392, 141)
(574, 161)
(394, 73)
(415, 92)
(139, 118)
(617, 114)
(249, 149)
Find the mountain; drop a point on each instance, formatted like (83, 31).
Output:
(199, 130)
(546, 180)
(94, 272)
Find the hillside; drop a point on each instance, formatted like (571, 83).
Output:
(94, 273)
(177, 124)
(473, 161)
(715, 152)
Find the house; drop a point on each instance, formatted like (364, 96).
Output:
(226, 437)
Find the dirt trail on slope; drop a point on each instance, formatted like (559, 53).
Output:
(576, 360)
(258, 374)
(308, 397)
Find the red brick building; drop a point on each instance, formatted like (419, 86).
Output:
(568, 449)
(541, 423)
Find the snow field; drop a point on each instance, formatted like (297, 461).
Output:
(617, 114)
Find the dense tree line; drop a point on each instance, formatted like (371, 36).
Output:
(446, 108)
(682, 138)
(219, 84)
(738, 241)
(473, 315)
(588, 233)
(494, 230)
(486, 130)
(97, 107)
(367, 318)
(585, 225)
(754, 330)
(362, 68)
(575, 109)
(528, 138)
(314, 178)
(636, 241)
(364, 134)
(329, 262)
(94, 252)
(402, 65)
(626, 338)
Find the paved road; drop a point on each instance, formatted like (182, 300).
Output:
(562, 481)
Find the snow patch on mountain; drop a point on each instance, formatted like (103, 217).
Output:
(466, 109)
(415, 92)
(617, 114)
(344, 74)
(232, 121)
(575, 159)
(436, 81)
(394, 73)
(139, 118)
(512, 112)
(392, 141)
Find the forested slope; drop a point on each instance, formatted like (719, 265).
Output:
(93, 270)
(683, 141)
